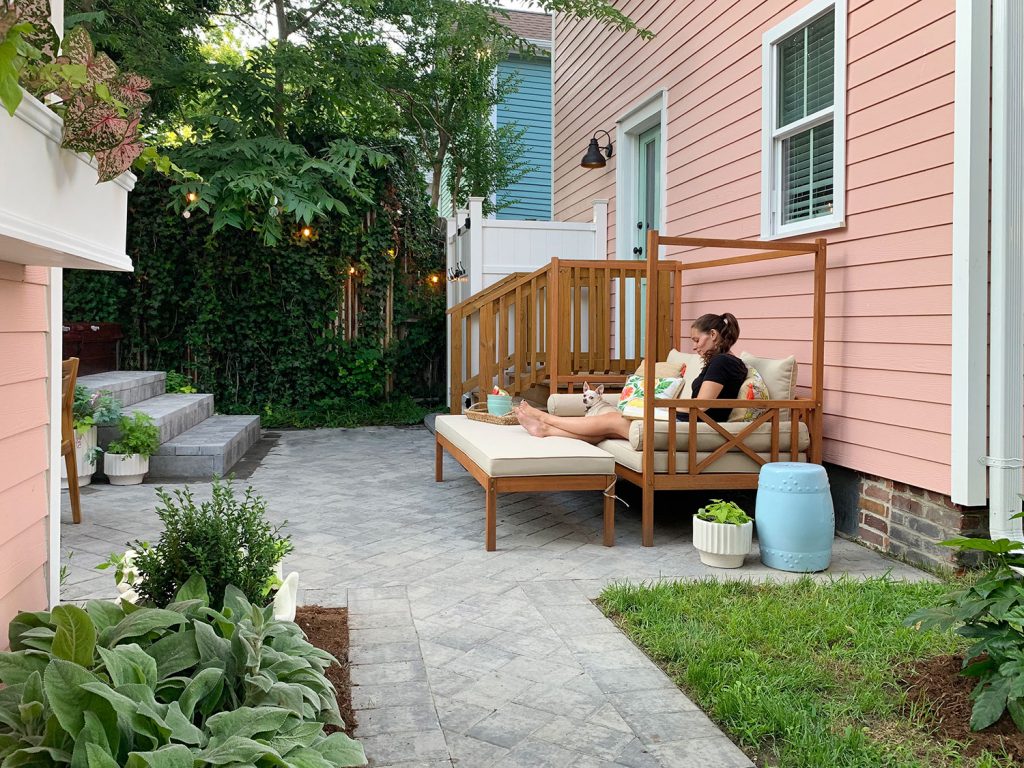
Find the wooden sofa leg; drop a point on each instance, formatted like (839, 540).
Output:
(609, 513)
(647, 518)
(492, 517)
(438, 461)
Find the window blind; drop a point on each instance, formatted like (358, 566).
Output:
(806, 86)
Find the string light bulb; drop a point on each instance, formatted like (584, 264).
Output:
(306, 232)
(351, 270)
(435, 279)
(191, 197)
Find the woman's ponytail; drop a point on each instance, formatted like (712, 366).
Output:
(726, 326)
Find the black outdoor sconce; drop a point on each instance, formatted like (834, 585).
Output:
(594, 158)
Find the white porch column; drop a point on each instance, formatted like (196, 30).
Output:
(600, 229)
(1006, 330)
(55, 300)
(970, 252)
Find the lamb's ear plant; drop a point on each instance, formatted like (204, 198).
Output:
(186, 686)
(989, 612)
(727, 512)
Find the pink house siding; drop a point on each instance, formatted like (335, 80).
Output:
(24, 446)
(888, 340)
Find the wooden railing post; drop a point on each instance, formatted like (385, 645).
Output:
(818, 353)
(455, 357)
(650, 357)
(554, 344)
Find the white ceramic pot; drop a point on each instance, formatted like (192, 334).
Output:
(722, 545)
(85, 443)
(125, 469)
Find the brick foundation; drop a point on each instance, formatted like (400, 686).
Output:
(909, 522)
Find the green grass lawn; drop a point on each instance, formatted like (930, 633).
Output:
(802, 674)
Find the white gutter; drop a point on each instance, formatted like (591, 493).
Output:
(1006, 334)
(970, 253)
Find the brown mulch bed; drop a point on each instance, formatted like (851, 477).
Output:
(327, 628)
(937, 686)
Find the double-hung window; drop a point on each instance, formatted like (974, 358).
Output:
(803, 173)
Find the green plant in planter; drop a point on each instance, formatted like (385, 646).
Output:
(727, 512)
(139, 435)
(226, 540)
(991, 613)
(188, 686)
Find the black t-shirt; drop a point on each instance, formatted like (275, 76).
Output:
(725, 369)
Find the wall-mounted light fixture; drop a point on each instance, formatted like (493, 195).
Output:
(594, 158)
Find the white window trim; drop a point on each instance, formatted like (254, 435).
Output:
(771, 145)
(641, 117)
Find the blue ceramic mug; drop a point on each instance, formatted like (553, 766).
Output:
(499, 405)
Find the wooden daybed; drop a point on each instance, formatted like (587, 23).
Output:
(529, 330)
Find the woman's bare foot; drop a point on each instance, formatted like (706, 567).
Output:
(528, 418)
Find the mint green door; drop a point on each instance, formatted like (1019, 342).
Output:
(648, 189)
(648, 213)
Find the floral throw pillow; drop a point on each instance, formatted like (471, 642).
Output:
(631, 400)
(753, 388)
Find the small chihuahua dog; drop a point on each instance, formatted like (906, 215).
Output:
(593, 403)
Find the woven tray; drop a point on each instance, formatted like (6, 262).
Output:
(479, 412)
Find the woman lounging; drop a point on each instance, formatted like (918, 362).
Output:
(713, 337)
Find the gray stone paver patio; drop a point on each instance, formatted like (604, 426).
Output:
(459, 656)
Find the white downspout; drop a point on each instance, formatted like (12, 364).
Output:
(1006, 334)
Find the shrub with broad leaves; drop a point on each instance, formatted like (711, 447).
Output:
(181, 687)
(990, 612)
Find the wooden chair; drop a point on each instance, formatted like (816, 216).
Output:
(69, 375)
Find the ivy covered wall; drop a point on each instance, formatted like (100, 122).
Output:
(265, 328)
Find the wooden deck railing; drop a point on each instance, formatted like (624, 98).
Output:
(504, 335)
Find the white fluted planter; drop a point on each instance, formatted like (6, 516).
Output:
(85, 444)
(125, 469)
(722, 545)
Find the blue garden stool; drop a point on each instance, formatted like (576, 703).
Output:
(795, 519)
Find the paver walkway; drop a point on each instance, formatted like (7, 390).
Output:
(459, 656)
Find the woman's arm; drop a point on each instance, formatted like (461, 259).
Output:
(709, 390)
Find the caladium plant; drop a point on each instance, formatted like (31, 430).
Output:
(187, 686)
(101, 105)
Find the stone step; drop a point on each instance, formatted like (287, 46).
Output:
(130, 387)
(210, 448)
(173, 414)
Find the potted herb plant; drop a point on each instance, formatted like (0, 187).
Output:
(127, 459)
(89, 411)
(722, 534)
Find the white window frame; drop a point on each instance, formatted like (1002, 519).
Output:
(772, 137)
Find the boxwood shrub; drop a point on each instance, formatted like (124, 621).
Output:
(177, 687)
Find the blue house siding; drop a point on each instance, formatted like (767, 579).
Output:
(529, 108)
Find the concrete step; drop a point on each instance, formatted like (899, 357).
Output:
(210, 448)
(130, 387)
(173, 414)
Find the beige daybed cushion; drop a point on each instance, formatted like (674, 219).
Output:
(511, 452)
(731, 462)
(708, 439)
